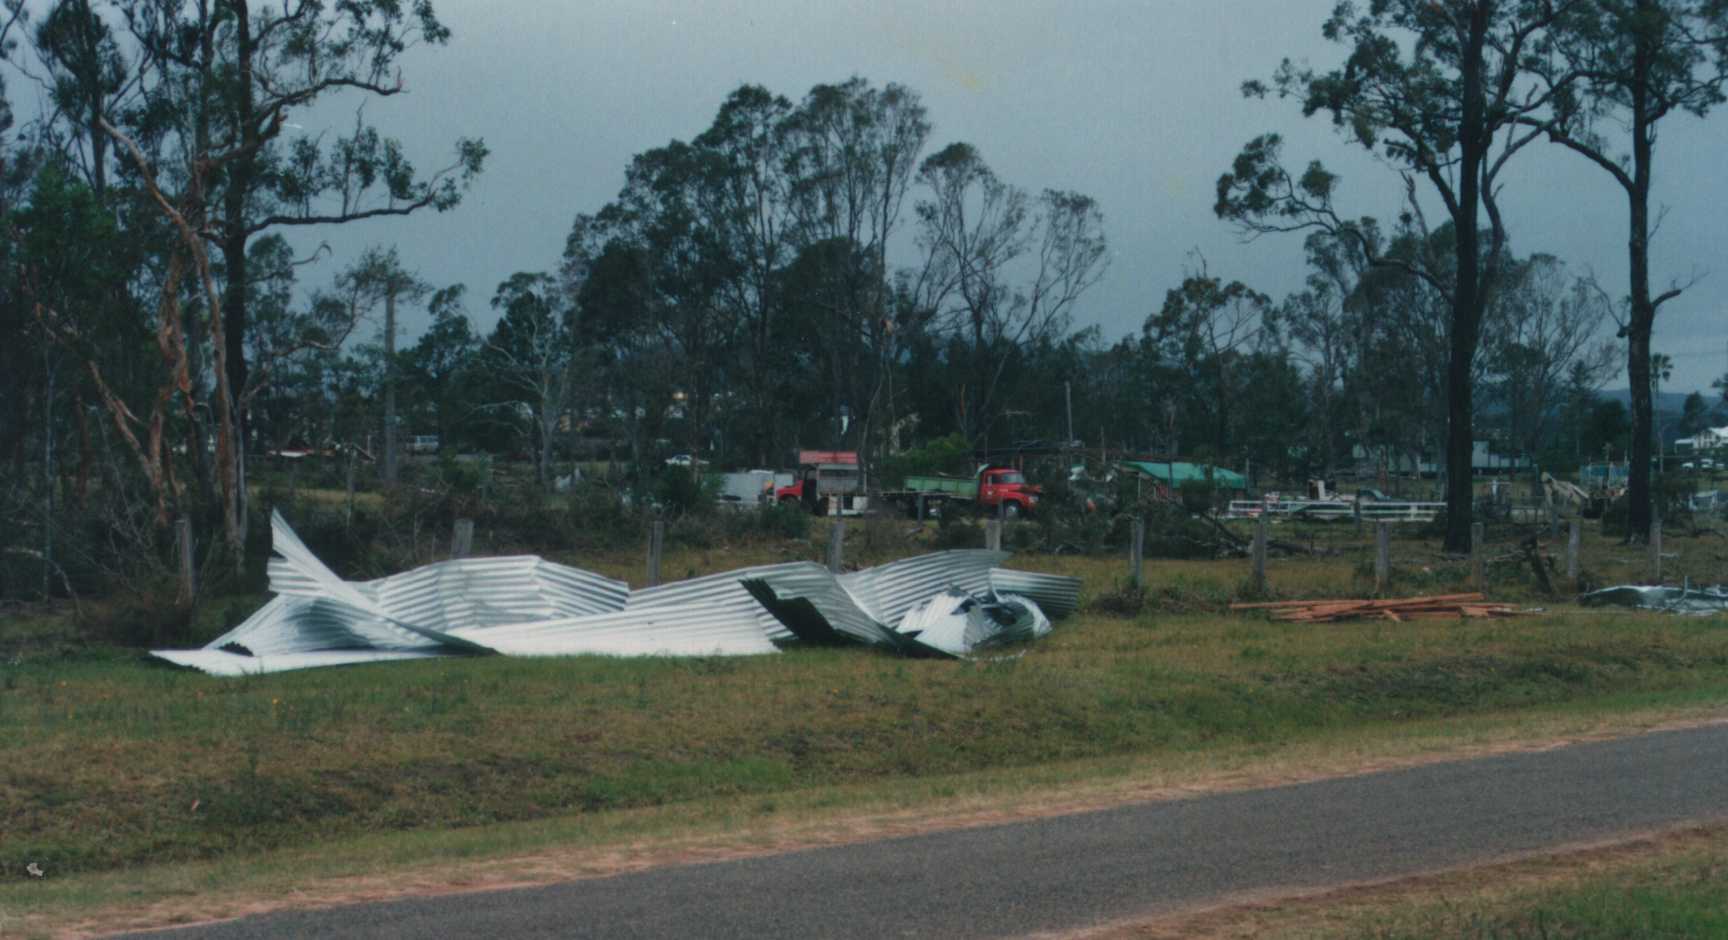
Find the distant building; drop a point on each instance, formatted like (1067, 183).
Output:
(1483, 459)
(1707, 439)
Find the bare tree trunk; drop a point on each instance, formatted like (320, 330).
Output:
(1643, 315)
(48, 474)
(1467, 294)
(390, 384)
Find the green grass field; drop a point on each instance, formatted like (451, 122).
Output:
(119, 764)
(1680, 893)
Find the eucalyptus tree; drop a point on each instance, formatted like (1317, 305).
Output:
(1002, 268)
(744, 195)
(679, 271)
(1549, 333)
(90, 80)
(1322, 321)
(1623, 67)
(606, 279)
(529, 359)
(1206, 327)
(217, 81)
(853, 155)
(1438, 91)
(438, 368)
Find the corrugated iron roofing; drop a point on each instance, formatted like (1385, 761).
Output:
(480, 592)
(689, 630)
(1056, 594)
(961, 624)
(299, 624)
(888, 591)
(223, 663)
(525, 605)
(829, 596)
(723, 591)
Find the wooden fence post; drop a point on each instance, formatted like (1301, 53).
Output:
(1574, 538)
(183, 546)
(656, 542)
(1259, 556)
(462, 538)
(1137, 553)
(993, 534)
(1382, 556)
(836, 545)
(1656, 550)
(348, 515)
(1478, 576)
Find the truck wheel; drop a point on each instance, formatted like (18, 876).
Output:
(1012, 510)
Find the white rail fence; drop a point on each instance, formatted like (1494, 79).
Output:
(1334, 509)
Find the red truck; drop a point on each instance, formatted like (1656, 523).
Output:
(994, 489)
(828, 483)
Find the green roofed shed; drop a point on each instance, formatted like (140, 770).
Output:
(1184, 472)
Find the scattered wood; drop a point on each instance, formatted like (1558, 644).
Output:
(1229, 543)
(1533, 554)
(1397, 610)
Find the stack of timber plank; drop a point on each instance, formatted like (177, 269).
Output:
(1433, 607)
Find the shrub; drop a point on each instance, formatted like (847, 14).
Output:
(781, 520)
(684, 493)
(949, 455)
(145, 618)
(1197, 495)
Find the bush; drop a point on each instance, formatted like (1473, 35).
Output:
(148, 618)
(1197, 495)
(954, 531)
(684, 493)
(781, 520)
(1126, 600)
(947, 455)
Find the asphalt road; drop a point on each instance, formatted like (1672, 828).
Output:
(1075, 871)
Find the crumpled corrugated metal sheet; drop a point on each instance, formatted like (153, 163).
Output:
(522, 605)
(296, 572)
(691, 630)
(887, 592)
(223, 663)
(821, 612)
(1058, 595)
(445, 595)
(1679, 600)
(525, 605)
(724, 594)
(893, 605)
(961, 624)
(301, 624)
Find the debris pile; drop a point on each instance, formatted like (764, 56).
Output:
(942, 604)
(1436, 607)
(1681, 599)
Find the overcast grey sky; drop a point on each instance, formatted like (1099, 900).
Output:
(1136, 104)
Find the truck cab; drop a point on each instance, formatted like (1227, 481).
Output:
(828, 483)
(1006, 488)
(992, 489)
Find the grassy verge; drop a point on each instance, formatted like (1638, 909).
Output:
(113, 762)
(1674, 885)
(574, 845)
(125, 777)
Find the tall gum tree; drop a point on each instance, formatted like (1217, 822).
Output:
(1631, 65)
(220, 79)
(1437, 90)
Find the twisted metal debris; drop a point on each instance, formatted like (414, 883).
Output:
(1684, 599)
(947, 603)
